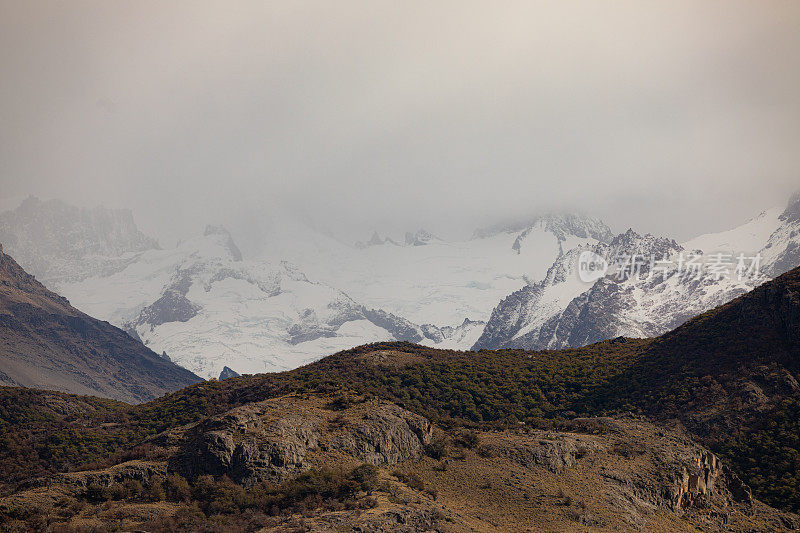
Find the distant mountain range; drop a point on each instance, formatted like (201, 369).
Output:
(511, 285)
(48, 344)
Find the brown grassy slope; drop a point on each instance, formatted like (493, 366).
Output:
(621, 474)
(46, 343)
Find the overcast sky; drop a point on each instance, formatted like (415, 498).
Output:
(672, 117)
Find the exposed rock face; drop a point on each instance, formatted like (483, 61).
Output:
(561, 311)
(554, 454)
(386, 435)
(663, 469)
(273, 452)
(400, 328)
(695, 481)
(228, 372)
(275, 439)
(172, 306)
(420, 238)
(375, 240)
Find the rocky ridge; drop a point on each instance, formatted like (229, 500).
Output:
(597, 474)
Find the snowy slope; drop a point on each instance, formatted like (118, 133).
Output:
(774, 234)
(750, 237)
(563, 311)
(430, 280)
(206, 309)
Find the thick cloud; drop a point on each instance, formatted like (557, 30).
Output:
(674, 118)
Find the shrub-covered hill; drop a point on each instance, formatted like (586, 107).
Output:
(730, 376)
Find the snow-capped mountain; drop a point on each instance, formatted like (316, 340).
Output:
(774, 234)
(562, 310)
(428, 280)
(58, 242)
(561, 226)
(206, 308)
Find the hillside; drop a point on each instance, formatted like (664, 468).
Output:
(48, 344)
(725, 382)
(309, 462)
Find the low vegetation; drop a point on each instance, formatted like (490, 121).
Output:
(219, 504)
(695, 372)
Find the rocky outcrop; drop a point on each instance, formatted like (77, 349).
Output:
(276, 439)
(696, 480)
(375, 240)
(453, 335)
(386, 435)
(226, 239)
(400, 328)
(420, 238)
(227, 372)
(553, 453)
(246, 446)
(173, 305)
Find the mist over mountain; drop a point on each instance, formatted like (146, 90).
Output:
(306, 266)
(207, 305)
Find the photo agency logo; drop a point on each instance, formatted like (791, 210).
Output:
(691, 266)
(591, 266)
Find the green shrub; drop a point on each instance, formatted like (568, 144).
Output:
(437, 448)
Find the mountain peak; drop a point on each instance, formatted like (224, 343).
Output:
(226, 238)
(60, 242)
(227, 372)
(560, 225)
(420, 238)
(792, 212)
(375, 240)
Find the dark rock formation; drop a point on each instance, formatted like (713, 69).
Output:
(227, 373)
(273, 439)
